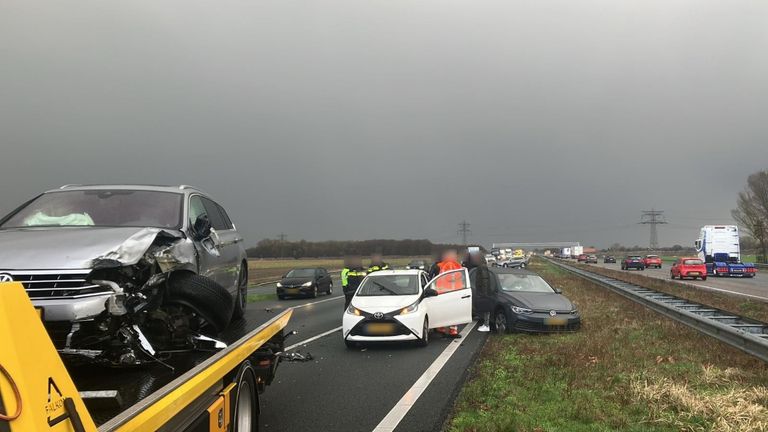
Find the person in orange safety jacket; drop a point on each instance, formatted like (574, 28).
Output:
(449, 261)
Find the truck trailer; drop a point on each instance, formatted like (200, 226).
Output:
(216, 391)
(719, 247)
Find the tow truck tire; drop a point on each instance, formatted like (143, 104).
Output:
(206, 297)
(242, 293)
(246, 416)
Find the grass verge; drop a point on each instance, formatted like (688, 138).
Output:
(260, 297)
(628, 369)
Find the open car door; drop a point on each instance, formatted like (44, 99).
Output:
(453, 303)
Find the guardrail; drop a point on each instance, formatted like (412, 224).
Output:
(746, 334)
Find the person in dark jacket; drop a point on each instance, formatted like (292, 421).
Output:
(351, 275)
(483, 289)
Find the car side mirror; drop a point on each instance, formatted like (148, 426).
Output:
(430, 292)
(202, 227)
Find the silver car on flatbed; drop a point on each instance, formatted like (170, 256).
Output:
(127, 274)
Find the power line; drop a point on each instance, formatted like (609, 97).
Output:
(464, 231)
(282, 237)
(653, 217)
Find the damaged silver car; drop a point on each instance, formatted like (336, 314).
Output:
(126, 275)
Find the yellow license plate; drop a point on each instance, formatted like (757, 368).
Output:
(381, 328)
(39, 311)
(556, 321)
(292, 291)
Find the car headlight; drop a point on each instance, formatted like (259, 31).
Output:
(354, 311)
(409, 309)
(307, 284)
(521, 310)
(279, 285)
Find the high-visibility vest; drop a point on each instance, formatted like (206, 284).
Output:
(451, 282)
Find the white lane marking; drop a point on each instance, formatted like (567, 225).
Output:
(705, 287)
(401, 408)
(723, 290)
(312, 339)
(317, 302)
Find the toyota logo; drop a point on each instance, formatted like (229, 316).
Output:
(378, 315)
(552, 313)
(5, 277)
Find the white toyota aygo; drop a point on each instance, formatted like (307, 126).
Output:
(403, 305)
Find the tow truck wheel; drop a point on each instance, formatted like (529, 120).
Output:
(246, 417)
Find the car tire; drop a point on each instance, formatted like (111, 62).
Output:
(703, 278)
(522, 265)
(204, 296)
(241, 301)
(314, 292)
(672, 276)
(424, 341)
(281, 297)
(501, 322)
(246, 404)
(330, 289)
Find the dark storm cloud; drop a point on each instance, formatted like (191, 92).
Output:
(536, 120)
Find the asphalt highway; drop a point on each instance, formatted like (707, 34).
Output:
(756, 287)
(365, 389)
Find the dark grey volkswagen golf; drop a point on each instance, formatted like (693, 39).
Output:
(527, 303)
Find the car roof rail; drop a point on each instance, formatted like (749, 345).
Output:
(69, 186)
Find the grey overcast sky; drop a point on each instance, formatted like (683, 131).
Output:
(354, 119)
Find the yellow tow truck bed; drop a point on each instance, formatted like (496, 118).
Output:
(211, 395)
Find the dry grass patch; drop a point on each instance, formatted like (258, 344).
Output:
(603, 377)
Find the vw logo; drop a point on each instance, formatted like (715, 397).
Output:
(378, 315)
(5, 277)
(552, 313)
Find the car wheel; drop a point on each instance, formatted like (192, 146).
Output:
(522, 265)
(246, 418)
(314, 292)
(703, 278)
(281, 297)
(242, 294)
(671, 275)
(500, 322)
(424, 341)
(204, 296)
(330, 289)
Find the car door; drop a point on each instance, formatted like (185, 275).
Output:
(226, 239)
(453, 304)
(325, 279)
(209, 257)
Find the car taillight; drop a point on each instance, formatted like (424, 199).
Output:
(751, 270)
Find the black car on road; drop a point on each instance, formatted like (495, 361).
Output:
(527, 303)
(633, 262)
(609, 259)
(305, 282)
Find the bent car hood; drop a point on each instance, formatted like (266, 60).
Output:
(383, 303)
(71, 247)
(540, 301)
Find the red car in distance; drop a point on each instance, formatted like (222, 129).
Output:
(691, 267)
(652, 261)
(582, 258)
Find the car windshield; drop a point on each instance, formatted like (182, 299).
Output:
(301, 273)
(693, 262)
(387, 285)
(523, 283)
(634, 257)
(100, 208)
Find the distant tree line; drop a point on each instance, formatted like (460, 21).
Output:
(751, 212)
(274, 248)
